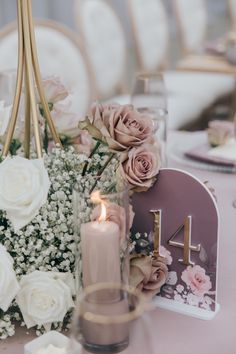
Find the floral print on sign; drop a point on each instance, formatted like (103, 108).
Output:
(197, 288)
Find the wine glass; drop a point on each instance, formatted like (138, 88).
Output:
(149, 96)
(110, 319)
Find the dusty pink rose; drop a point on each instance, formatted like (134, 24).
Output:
(147, 274)
(140, 166)
(219, 132)
(66, 123)
(54, 90)
(195, 277)
(122, 126)
(98, 110)
(115, 213)
(83, 143)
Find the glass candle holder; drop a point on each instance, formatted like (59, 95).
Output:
(108, 320)
(102, 223)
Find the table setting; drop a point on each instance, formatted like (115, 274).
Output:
(161, 319)
(115, 233)
(217, 56)
(199, 151)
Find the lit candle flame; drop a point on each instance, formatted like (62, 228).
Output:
(96, 199)
(103, 215)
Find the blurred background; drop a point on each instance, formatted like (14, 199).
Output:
(104, 43)
(63, 11)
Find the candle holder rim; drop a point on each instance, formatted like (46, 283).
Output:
(148, 75)
(115, 319)
(152, 108)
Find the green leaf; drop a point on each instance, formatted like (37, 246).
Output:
(15, 145)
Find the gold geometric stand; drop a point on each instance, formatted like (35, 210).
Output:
(28, 69)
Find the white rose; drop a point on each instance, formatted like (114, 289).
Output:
(67, 278)
(9, 286)
(44, 298)
(5, 112)
(24, 186)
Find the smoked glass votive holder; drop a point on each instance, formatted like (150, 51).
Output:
(102, 222)
(105, 318)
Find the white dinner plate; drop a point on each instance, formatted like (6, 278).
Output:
(177, 150)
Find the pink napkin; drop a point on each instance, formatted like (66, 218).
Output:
(200, 153)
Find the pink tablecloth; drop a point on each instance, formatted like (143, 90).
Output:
(178, 334)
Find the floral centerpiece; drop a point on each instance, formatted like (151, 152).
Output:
(38, 250)
(37, 244)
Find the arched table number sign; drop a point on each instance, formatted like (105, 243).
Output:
(180, 215)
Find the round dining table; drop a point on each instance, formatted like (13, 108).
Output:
(173, 333)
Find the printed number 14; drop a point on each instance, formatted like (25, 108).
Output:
(186, 246)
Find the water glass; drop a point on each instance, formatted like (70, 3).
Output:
(159, 118)
(149, 91)
(149, 96)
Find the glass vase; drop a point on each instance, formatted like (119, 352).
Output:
(102, 222)
(111, 319)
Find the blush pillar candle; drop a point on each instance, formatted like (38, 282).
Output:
(101, 224)
(100, 241)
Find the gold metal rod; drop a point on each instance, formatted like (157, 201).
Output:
(44, 102)
(29, 68)
(19, 81)
(27, 117)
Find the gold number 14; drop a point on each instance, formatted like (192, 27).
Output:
(186, 246)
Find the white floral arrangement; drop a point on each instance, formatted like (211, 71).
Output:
(37, 243)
